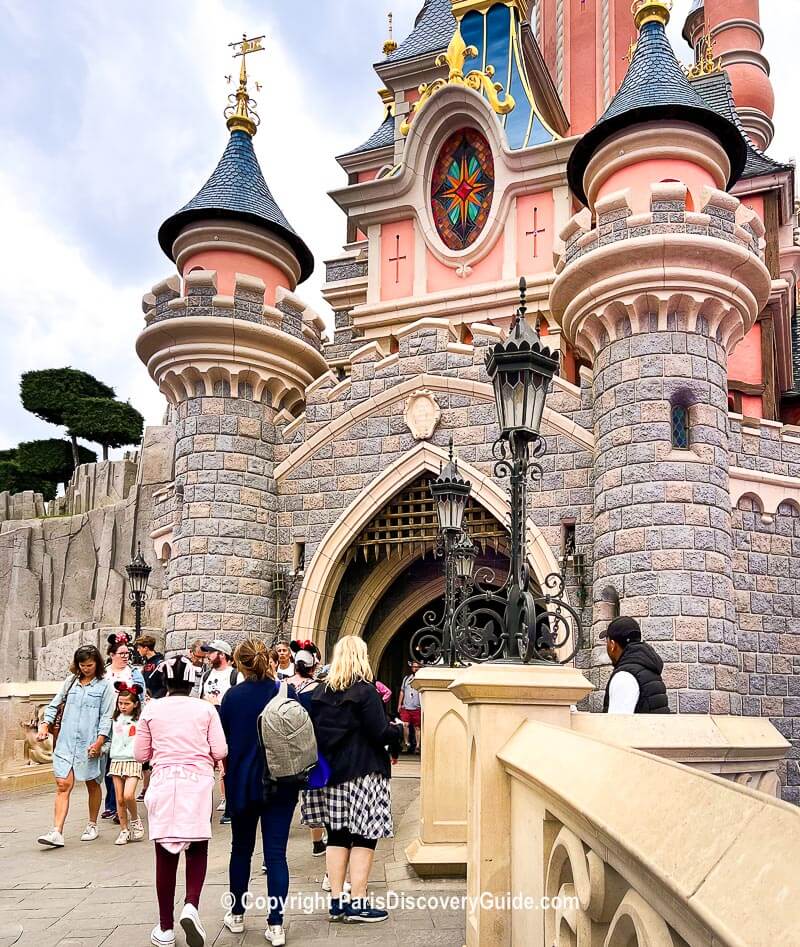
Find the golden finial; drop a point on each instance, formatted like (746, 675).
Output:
(651, 11)
(387, 97)
(707, 64)
(241, 114)
(390, 46)
(456, 56)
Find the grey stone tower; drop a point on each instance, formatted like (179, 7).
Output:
(656, 286)
(227, 344)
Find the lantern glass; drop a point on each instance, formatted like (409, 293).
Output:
(451, 502)
(465, 559)
(138, 574)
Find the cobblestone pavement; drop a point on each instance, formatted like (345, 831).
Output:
(94, 893)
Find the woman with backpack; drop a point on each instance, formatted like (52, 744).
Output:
(253, 798)
(355, 806)
(182, 738)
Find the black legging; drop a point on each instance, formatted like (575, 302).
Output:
(343, 838)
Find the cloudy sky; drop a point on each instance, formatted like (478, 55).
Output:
(111, 119)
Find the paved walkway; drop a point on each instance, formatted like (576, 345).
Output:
(92, 894)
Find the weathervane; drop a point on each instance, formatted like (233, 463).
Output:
(241, 114)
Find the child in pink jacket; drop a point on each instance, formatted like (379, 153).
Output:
(182, 738)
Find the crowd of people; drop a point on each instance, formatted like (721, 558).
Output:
(276, 728)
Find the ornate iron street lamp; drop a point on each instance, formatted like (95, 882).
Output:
(138, 574)
(436, 641)
(510, 623)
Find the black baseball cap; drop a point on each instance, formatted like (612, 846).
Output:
(623, 630)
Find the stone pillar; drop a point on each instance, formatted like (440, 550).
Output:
(441, 848)
(224, 542)
(500, 697)
(229, 365)
(662, 516)
(647, 293)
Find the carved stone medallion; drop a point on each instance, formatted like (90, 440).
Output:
(422, 414)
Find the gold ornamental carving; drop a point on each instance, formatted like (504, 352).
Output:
(479, 80)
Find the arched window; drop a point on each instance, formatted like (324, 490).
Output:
(680, 427)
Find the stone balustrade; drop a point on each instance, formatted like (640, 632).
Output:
(631, 849)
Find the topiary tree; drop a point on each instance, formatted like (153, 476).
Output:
(51, 460)
(49, 392)
(104, 421)
(15, 480)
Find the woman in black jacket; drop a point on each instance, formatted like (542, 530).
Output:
(356, 804)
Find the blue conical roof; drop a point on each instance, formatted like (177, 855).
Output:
(237, 191)
(655, 88)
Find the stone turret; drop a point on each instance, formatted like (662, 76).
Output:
(233, 350)
(659, 280)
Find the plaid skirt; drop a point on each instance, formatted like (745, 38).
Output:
(362, 806)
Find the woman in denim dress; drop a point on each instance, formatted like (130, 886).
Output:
(85, 727)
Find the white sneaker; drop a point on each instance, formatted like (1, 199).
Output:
(51, 839)
(123, 838)
(221, 806)
(275, 934)
(159, 938)
(326, 885)
(137, 830)
(90, 832)
(192, 927)
(234, 922)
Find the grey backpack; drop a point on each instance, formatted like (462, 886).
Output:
(286, 735)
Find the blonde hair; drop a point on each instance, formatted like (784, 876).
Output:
(350, 663)
(251, 657)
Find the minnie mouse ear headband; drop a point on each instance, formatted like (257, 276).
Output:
(305, 658)
(307, 646)
(119, 637)
(124, 688)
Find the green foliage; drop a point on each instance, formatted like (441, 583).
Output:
(15, 480)
(51, 459)
(104, 421)
(49, 392)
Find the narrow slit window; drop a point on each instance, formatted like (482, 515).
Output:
(680, 427)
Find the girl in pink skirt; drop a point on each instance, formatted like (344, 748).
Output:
(182, 738)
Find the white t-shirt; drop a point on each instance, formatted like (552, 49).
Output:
(286, 672)
(218, 683)
(623, 694)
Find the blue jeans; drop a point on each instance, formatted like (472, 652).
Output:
(111, 795)
(275, 817)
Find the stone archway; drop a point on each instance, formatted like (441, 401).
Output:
(325, 570)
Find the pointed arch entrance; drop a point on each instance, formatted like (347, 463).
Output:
(378, 600)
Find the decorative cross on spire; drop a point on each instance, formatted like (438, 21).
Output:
(241, 113)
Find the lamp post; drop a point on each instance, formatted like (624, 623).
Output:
(138, 574)
(510, 623)
(436, 640)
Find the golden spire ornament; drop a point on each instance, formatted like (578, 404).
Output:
(707, 63)
(390, 45)
(481, 81)
(651, 11)
(241, 114)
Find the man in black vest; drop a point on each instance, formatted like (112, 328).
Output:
(635, 686)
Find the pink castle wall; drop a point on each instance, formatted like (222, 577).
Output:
(228, 263)
(527, 263)
(397, 278)
(488, 270)
(641, 176)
